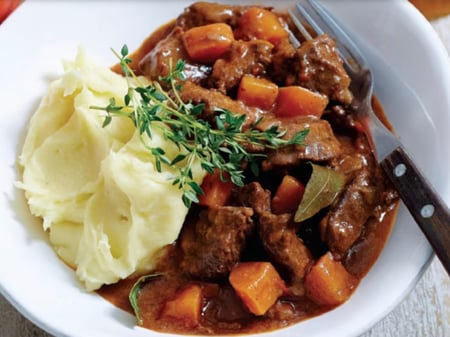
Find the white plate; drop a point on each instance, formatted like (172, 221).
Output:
(413, 82)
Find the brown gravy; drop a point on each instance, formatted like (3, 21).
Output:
(147, 45)
(153, 296)
(223, 313)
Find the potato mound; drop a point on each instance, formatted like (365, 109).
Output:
(107, 209)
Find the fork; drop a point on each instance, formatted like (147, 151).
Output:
(427, 208)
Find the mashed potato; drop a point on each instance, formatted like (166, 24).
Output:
(108, 211)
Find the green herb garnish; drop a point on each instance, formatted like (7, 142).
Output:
(323, 187)
(152, 107)
(133, 295)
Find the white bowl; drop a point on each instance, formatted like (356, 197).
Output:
(412, 74)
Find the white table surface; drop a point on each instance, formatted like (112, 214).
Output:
(424, 313)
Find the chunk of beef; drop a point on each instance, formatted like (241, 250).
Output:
(203, 13)
(213, 245)
(167, 52)
(213, 99)
(364, 252)
(253, 195)
(321, 69)
(244, 57)
(352, 159)
(283, 61)
(320, 144)
(285, 248)
(345, 221)
(343, 120)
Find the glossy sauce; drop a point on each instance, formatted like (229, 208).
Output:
(146, 46)
(223, 312)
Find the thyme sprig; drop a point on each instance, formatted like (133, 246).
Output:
(150, 107)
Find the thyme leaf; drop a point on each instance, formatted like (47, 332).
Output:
(151, 107)
(133, 295)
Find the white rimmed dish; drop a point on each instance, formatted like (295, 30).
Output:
(412, 74)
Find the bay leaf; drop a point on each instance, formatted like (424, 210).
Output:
(323, 187)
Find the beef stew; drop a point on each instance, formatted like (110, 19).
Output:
(243, 263)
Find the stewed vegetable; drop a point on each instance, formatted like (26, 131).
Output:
(294, 209)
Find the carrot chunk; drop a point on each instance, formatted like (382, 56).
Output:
(215, 191)
(328, 282)
(288, 195)
(257, 92)
(258, 284)
(209, 42)
(186, 306)
(262, 24)
(298, 101)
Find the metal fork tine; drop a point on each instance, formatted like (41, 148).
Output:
(345, 45)
(306, 14)
(309, 20)
(386, 147)
(300, 27)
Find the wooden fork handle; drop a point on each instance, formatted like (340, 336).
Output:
(427, 208)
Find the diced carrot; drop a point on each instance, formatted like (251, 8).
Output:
(298, 101)
(257, 92)
(209, 42)
(262, 24)
(328, 282)
(186, 306)
(258, 284)
(288, 195)
(215, 191)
